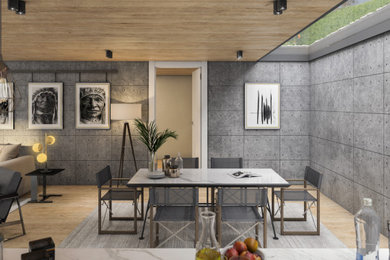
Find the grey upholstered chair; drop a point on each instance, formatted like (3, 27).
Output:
(9, 184)
(172, 205)
(241, 205)
(226, 162)
(301, 194)
(109, 193)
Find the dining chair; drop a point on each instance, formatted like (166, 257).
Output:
(314, 179)
(172, 205)
(242, 205)
(188, 162)
(226, 162)
(107, 193)
(9, 183)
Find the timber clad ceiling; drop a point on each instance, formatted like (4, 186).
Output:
(152, 29)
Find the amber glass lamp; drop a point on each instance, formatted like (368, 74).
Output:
(42, 150)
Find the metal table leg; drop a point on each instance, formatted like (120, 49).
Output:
(272, 222)
(145, 218)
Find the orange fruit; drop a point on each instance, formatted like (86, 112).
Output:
(252, 244)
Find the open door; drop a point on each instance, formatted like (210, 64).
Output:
(196, 113)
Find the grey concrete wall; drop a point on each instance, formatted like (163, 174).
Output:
(81, 152)
(285, 150)
(350, 119)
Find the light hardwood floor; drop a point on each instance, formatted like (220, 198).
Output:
(59, 218)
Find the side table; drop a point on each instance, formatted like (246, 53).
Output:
(44, 173)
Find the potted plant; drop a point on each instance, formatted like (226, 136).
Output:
(153, 139)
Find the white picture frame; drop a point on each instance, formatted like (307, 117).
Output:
(7, 110)
(45, 105)
(88, 117)
(262, 106)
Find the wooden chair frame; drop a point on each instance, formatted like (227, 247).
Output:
(135, 201)
(282, 219)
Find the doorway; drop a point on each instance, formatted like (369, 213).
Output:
(178, 101)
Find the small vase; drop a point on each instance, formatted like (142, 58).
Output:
(207, 246)
(152, 165)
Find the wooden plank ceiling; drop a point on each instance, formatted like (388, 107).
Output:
(144, 30)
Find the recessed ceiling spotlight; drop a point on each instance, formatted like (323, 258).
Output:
(13, 5)
(240, 55)
(22, 8)
(283, 5)
(109, 54)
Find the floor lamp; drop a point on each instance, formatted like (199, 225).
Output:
(125, 112)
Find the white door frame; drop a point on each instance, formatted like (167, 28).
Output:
(203, 94)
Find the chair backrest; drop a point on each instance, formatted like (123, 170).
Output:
(9, 184)
(103, 176)
(188, 162)
(242, 197)
(172, 196)
(313, 177)
(226, 162)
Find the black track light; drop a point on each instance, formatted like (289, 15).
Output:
(109, 54)
(240, 55)
(283, 5)
(13, 5)
(280, 6)
(22, 8)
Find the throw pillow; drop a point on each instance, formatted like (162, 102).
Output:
(9, 152)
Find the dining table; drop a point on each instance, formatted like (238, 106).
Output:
(210, 178)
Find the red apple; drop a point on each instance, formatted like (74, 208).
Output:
(240, 246)
(231, 252)
(249, 255)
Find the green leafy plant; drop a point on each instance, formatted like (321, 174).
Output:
(150, 136)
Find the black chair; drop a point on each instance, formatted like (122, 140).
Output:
(173, 205)
(226, 163)
(188, 162)
(9, 184)
(300, 194)
(241, 205)
(116, 193)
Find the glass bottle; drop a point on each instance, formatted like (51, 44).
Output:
(388, 230)
(179, 163)
(367, 226)
(207, 248)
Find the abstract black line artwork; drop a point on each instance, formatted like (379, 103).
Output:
(7, 110)
(262, 106)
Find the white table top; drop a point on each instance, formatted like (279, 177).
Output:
(210, 178)
(189, 253)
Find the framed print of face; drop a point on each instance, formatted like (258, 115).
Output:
(7, 109)
(262, 106)
(45, 106)
(92, 106)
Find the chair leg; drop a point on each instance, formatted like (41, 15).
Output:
(265, 228)
(99, 213)
(151, 241)
(157, 240)
(281, 214)
(196, 225)
(318, 213)
(21, 216)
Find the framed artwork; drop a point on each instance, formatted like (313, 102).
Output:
(92, 106)
(7, 109)
(45, 105)
(262, 106)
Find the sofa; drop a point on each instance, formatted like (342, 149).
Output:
(22, 163)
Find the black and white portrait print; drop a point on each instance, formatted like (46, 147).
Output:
(45, 105)
(92, 105)
(262, 106)
(7, 109)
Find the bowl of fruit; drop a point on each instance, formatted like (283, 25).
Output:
(247, 249)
